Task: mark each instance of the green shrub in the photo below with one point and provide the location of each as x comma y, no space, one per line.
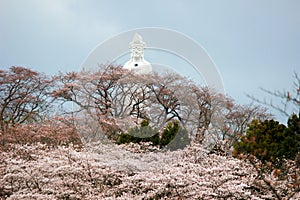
180,141
270,141
168,138
291,143
169,133
144,133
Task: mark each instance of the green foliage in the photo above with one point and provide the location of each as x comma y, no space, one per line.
291,144
270,141
168,138
145,133
144,123
181,140
169,133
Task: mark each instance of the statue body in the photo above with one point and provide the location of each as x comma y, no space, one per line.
137,61
138,65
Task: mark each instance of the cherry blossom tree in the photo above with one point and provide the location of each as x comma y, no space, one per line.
24,96
46,159
54,131
118,99
235,120
109,171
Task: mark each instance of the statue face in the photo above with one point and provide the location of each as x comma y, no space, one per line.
137,51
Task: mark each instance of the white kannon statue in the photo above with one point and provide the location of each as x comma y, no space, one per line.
137,61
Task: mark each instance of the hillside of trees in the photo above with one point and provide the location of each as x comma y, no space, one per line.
114,134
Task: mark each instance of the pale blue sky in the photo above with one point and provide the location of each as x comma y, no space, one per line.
253,43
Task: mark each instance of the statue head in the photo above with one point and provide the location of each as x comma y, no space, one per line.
137,47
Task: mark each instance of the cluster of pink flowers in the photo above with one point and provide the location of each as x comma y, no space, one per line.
109,171
54,131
